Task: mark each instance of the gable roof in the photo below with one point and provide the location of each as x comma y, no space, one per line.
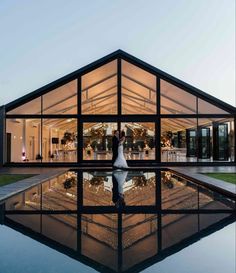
123,55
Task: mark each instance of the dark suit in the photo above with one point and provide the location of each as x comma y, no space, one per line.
115,191
115,144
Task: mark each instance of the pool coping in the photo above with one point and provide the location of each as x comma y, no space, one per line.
216,184
27,183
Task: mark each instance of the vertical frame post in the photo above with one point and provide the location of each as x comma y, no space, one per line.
119,99
79,123
158,119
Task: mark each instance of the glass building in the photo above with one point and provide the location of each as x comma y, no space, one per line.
72,120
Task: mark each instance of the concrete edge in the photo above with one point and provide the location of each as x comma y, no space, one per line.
220,185
12,189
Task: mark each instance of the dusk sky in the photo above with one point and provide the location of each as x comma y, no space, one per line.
41,41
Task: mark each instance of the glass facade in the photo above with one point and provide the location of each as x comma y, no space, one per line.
175,100
178,140
163,121
99,90
140,140
59,140
62,100
138,90
97,140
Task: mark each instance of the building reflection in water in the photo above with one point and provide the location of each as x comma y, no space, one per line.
164,213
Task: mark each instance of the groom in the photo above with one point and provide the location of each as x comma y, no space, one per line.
115,144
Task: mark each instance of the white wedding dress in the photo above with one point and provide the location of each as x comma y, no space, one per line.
120,177
120,161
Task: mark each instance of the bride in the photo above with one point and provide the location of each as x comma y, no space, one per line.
120,161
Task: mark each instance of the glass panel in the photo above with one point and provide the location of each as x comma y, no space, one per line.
140,140
97,140
138,90
32,107
99,90
23,140
175,100
205,107
204,143
178,140
62,100
213,145
59,140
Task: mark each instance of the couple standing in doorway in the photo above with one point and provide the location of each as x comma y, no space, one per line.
118,159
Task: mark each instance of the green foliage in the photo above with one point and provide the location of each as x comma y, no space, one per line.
11,178
228,177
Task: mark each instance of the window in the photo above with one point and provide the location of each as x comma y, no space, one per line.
32,107
62,100
178,140
59,140
23,140
99,90
97,140
205,107
138,90
175,100
140,140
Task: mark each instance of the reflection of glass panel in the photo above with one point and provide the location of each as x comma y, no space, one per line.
177,192
175,100
139,238
23,140
107,188
181,193
209,199
60,193
32,107
61,228
30,221
27,200
59,140
140,140
178,140
138,90
97,140
62,100
177,227
206,220
99,238
99,90
205,107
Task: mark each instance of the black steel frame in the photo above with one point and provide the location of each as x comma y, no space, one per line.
157,118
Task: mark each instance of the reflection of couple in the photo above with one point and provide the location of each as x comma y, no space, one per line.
118,159
118,181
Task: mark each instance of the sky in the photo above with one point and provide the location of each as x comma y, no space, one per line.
41,41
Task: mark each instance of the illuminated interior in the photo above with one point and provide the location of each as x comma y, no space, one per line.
164,120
